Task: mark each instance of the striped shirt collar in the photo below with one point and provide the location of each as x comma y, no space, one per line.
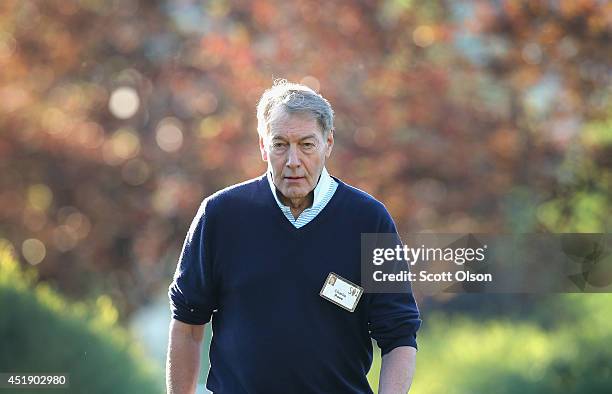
319,192
325,189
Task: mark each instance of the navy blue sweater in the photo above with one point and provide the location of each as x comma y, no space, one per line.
259,277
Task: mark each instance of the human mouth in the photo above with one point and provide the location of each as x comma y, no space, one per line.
293,178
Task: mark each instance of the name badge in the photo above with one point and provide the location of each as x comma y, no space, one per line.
341,292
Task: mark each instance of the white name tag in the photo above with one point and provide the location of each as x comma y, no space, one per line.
341,292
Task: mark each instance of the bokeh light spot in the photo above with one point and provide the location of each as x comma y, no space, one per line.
34,220
169,136
206,103
33,251
90,135
39,197
210,127
55,121
124,102
423,36
78,224
135,172
125,143
64,238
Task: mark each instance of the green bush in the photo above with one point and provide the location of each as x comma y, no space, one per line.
43,333
461,355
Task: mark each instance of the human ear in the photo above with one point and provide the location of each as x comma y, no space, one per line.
262,149
329,142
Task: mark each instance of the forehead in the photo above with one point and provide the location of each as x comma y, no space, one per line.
293,125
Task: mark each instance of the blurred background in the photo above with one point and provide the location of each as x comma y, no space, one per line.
118,117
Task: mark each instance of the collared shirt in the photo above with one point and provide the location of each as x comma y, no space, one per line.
323,192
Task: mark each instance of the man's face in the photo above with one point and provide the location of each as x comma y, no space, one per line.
295,151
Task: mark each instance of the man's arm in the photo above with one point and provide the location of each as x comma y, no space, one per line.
397,370
183,361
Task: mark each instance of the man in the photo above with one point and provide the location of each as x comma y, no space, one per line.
254,262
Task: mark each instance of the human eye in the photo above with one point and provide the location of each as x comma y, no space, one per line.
279,146
308,145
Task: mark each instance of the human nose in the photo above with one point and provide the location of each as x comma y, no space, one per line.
293,160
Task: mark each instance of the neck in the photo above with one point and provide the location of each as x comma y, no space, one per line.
297,205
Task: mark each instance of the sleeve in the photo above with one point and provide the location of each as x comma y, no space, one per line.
192,293
393,317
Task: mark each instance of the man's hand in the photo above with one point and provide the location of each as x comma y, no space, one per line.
397,370
183,361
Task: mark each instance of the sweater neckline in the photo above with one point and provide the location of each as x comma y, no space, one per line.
321,216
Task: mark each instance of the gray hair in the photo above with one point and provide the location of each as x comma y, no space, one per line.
293,98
